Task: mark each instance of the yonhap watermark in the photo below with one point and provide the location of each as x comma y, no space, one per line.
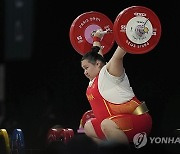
165,140
141,140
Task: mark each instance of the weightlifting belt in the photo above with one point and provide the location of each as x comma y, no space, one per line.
141,109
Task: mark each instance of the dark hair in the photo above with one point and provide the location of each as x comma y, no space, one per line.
92,56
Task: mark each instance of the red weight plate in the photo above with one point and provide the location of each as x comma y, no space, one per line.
84,25
67,134
126,17
54,134
71,132
87,116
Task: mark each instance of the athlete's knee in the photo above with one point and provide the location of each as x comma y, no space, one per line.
107,124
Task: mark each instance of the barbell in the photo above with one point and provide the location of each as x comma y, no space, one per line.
14,143
59,134
136,29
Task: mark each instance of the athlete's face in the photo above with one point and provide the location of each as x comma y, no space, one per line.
90,70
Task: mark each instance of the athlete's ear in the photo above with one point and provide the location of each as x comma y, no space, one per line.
98,63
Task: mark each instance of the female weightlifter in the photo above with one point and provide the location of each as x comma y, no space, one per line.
119,115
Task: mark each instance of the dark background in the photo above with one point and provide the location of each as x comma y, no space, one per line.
44,84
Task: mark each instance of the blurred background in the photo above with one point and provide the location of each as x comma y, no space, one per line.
41,80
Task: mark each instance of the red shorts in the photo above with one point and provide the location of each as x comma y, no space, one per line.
131,124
